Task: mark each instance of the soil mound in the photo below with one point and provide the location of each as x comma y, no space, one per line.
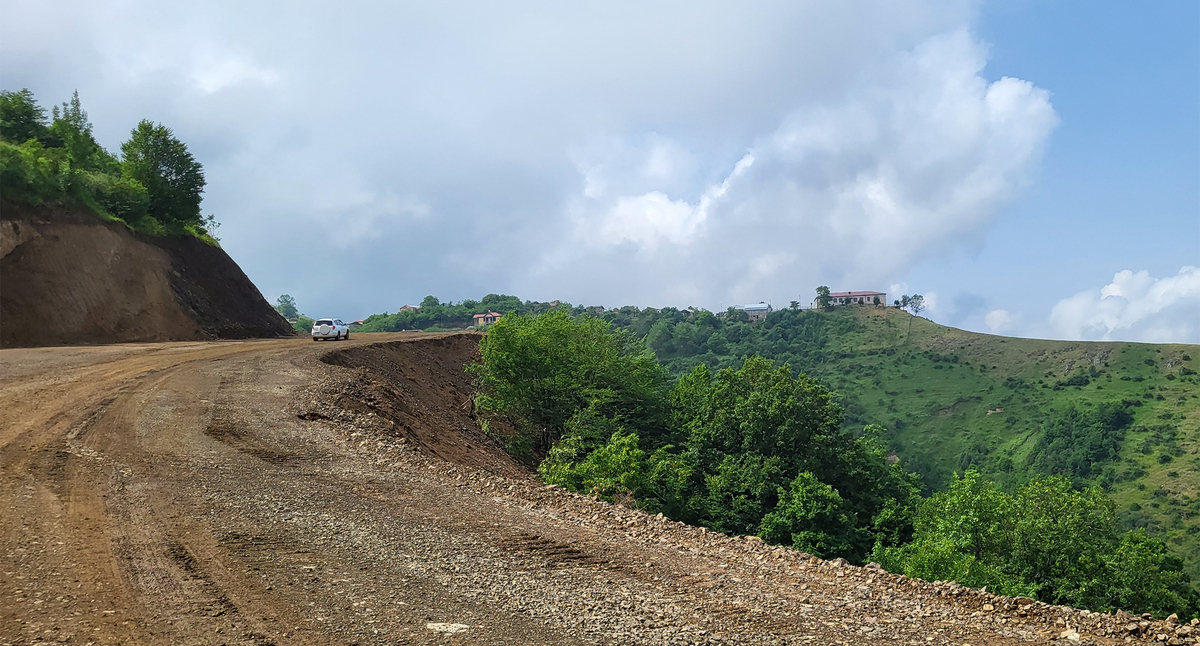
419,390
67,277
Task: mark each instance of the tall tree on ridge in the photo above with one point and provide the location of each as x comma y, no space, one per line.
172,177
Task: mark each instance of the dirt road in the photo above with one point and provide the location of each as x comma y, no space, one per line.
191,493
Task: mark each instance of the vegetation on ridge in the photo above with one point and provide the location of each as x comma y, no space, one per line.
154,187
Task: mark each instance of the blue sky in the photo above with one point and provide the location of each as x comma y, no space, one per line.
1033,168
1119,186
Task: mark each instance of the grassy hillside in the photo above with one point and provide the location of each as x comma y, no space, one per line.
951,399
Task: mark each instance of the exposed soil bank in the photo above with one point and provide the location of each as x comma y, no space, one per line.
422,392
66,277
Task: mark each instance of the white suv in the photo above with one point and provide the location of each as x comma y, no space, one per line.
330,329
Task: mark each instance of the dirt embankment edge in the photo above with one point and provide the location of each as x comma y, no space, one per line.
419,391
67,277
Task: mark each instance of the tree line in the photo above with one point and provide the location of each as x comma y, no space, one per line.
154,186
757,448
435,315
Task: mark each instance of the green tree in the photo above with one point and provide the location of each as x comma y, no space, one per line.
286,306
614,469
21,118
824,300
71,127
1077,442
738,491
1061,536
33,173
1140,574
811,516
619,470
539,372
1048,541
173,179
914,304
750,432
63,162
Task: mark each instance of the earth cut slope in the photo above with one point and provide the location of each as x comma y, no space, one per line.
67,277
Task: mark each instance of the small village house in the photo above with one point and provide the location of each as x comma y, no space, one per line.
856,298
486,318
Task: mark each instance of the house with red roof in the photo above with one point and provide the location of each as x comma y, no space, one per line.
487,318
856,298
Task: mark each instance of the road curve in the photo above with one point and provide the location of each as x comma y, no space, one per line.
171,494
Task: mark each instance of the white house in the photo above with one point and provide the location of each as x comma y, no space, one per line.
856,298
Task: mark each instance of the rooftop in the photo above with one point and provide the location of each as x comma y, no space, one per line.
855,294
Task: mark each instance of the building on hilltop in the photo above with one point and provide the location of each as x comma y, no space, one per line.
408,307
756,312
487,318
855,298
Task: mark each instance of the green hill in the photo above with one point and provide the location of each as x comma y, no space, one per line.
1125,416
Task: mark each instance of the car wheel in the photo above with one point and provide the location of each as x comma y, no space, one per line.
315,339
347,335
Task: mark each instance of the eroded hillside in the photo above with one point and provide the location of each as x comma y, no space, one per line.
67,277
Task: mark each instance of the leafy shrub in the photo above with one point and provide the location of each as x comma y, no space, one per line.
538,372
811,516
1047,541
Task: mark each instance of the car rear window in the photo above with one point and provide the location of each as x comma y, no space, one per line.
324,322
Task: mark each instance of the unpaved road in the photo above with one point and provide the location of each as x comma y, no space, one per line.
171,494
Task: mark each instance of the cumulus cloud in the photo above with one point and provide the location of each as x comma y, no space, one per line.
999,321
918,158
1134,307
645,220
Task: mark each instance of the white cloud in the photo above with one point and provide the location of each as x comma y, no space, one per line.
213,73
646,220
999,321
1134,307
917,157
931,303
